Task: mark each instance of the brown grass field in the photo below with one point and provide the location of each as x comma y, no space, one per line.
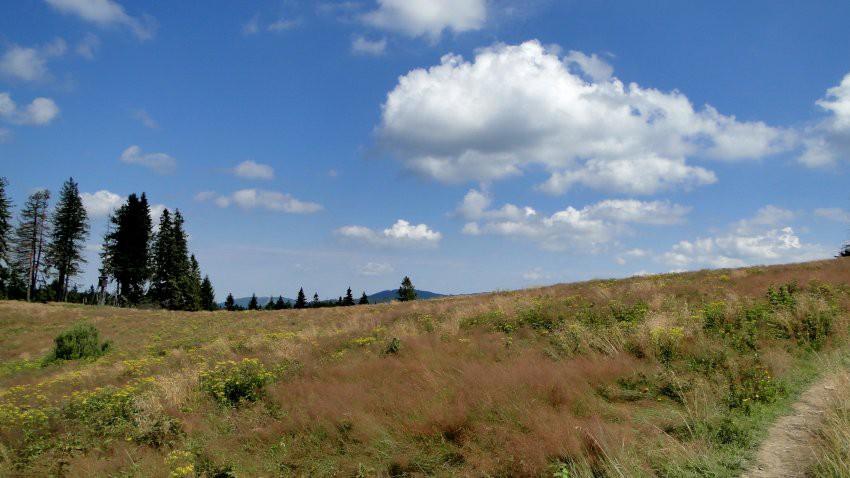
667,375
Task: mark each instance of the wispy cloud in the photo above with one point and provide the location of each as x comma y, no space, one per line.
159,162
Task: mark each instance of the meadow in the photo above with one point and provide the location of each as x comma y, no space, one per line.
675,375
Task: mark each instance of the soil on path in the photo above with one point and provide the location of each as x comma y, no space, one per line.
787,451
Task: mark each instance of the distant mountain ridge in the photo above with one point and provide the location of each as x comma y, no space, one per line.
388,295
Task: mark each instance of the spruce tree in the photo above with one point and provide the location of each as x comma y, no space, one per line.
270,304
192,295
29,241
349,299
301,300
187,281
69,232
164,285
208,295
230,303
252,304
406,292
280,304
364,299
5,238
316,302
127,247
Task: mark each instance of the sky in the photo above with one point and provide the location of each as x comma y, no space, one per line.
473,145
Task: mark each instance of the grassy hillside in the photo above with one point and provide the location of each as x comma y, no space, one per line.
671,375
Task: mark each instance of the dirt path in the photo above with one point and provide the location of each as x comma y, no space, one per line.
787,450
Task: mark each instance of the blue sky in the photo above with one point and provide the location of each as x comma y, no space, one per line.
472,144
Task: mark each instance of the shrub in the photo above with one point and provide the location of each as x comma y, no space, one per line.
753,384
80,341
714,315
667,342
783,296
393,347
630,314
231,383
815,324
540,316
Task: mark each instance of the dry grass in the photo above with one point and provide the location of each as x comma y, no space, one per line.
604,378
833,445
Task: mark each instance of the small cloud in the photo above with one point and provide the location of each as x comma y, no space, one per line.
833,214
87,47
158,162
333,173
402,233
101,203
107,13
40,112
282,25
145,119
535,274
376,269
363,46
5,135
252,26
253,170
30,63
260,199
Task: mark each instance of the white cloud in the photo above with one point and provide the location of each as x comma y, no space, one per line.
101,203
764,239
145,119
535,274
252,26
5,135
158,162
376,269
363,46
589,227
40,112
636,253
253,170
282,24
260,199
402,233
30,63
428,17
517,107
829,140
833,214
106,13
87,47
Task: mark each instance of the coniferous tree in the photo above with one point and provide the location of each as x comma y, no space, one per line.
364,299
5,233
30,236
187,281
164,281
208,295
349,299
127,246
69,232
253,304
230,303
192,295
300,300
270,304
280,304
406,292
316,302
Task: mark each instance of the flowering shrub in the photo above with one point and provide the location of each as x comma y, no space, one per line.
231,383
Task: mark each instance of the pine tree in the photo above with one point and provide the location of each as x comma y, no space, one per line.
301,300
349,299
364,299
270,304
230,303
30,235
316,302
187,281
127,248
164,286
208,295
406,292
192,295
5,233
69,232
252,304
280,304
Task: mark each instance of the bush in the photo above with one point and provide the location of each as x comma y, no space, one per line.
630,314
80,341
783,296
231,383
714,315
667,342
393,347
540,316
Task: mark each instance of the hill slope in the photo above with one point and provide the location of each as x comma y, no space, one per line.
376,298
672,375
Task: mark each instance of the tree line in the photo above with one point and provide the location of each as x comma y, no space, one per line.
406,292
42,253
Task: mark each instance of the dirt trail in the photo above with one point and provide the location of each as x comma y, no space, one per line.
787,452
